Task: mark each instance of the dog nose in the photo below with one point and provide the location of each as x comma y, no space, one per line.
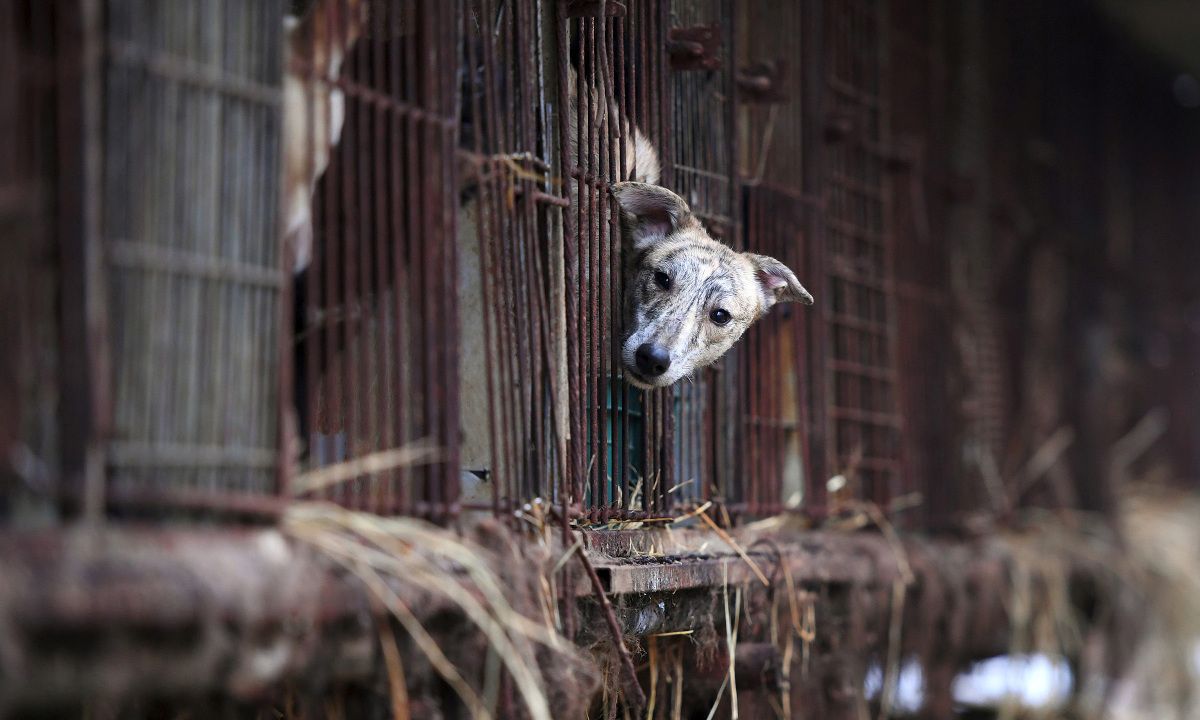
652,360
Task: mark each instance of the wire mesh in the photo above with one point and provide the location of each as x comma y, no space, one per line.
376,348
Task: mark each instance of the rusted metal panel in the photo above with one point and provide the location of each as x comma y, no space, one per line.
779,372
513,208
619,454
377,317
858,308
703,42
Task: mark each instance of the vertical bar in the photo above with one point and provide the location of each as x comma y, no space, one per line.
84,354
566,481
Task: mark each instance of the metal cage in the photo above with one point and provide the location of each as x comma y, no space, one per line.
620,458
143,357
776,389
702,47
513,356
377,347
860,371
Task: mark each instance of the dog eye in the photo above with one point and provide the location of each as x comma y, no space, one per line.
720,316
662,279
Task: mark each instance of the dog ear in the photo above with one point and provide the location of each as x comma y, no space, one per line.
778,283
650,212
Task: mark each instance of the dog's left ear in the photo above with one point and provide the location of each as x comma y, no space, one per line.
651,212
778,283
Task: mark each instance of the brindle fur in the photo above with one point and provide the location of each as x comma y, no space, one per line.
314,109
664,236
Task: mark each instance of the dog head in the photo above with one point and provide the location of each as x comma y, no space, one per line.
688,298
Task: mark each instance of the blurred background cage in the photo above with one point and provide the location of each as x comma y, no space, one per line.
145,346
860,374
376,348
924,307
188,202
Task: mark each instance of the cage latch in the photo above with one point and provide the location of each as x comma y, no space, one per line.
694,48
762,82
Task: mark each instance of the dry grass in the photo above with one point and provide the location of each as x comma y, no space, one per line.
387,552
1162,531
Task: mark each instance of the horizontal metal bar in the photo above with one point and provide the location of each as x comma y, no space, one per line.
775,423
154,454
857,323
840,272
188,72
221,501
853,368
866,417
708,174
854,230
145,256
384,101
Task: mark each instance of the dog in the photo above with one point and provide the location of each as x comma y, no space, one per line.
688,298
641,158
314,109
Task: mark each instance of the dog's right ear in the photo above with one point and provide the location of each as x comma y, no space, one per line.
650,212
